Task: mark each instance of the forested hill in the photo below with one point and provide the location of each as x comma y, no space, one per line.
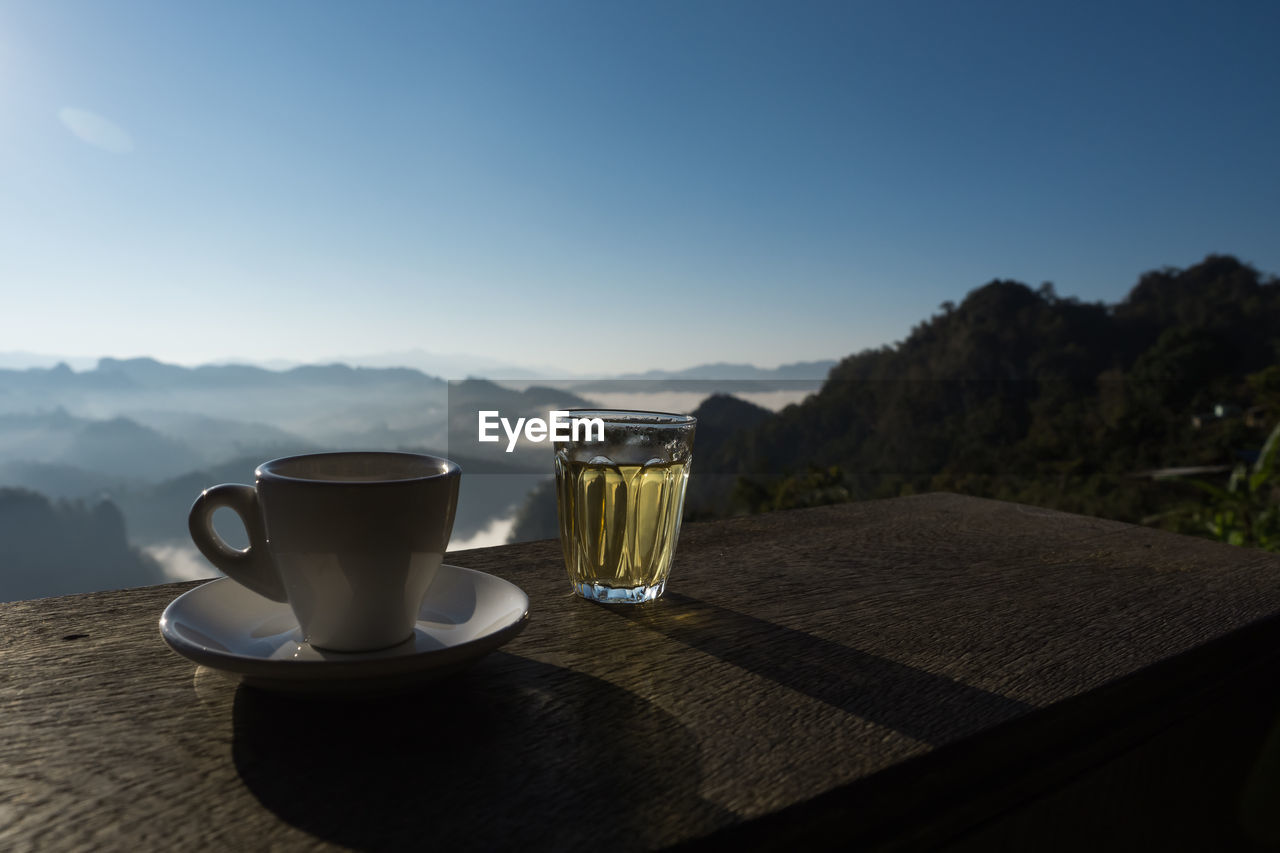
62,547
1020,394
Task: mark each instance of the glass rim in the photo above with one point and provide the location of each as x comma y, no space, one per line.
635,417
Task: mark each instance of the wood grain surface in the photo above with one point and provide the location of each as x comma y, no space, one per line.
891,673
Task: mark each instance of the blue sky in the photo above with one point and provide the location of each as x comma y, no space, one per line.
608,186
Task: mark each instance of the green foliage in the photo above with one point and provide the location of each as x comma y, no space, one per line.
815,487
1265,388
1247,511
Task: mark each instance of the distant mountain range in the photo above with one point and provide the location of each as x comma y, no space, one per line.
321,404
22,359
143,419
452,365
442,365
132,441
724,370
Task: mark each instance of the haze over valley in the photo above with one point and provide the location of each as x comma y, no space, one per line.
128,444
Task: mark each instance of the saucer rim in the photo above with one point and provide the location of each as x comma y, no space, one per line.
361,668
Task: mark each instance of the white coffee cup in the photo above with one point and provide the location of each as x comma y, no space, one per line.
350,540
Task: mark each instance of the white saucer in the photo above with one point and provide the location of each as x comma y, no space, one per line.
224,626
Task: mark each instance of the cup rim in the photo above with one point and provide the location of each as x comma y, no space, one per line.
269,470
638,417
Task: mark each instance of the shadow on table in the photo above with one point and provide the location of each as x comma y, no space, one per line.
931,708
510,753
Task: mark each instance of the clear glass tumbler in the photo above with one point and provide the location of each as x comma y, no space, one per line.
620,484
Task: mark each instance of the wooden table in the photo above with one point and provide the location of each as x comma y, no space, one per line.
933,671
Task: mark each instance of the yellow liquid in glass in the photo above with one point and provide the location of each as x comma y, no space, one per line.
619,523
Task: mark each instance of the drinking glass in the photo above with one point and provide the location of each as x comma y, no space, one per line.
620,493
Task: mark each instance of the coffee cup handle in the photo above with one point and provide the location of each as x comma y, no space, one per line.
251,566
